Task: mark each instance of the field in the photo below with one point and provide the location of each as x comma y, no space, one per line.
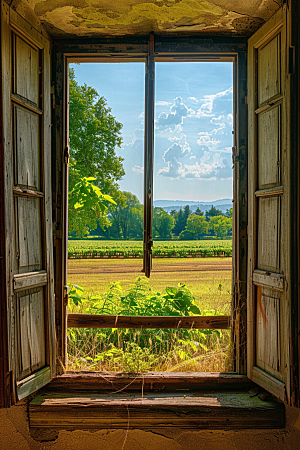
208,280
161,249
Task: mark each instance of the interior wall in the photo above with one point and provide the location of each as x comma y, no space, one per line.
15,435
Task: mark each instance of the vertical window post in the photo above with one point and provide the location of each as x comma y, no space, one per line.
148,158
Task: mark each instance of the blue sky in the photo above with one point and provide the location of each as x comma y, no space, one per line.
193,125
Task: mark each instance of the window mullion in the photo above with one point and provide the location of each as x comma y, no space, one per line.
148,158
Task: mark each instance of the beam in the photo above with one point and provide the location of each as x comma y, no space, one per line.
148,322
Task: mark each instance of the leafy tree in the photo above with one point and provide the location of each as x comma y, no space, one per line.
126,217
212,212
94,135
196,225
179,222
229,212
220,225
199,212
87,204
163,223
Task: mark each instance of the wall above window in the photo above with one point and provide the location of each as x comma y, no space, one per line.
173,17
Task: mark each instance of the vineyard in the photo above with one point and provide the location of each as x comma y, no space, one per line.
86,249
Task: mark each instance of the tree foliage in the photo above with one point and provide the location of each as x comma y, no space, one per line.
94,135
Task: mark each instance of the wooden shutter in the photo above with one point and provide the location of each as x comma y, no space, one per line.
269,214
28,206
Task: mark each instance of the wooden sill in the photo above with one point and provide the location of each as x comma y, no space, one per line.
114,404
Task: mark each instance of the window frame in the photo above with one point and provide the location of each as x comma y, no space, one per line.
133,49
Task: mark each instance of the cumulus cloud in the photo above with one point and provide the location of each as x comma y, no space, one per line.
178,111
206,109
210,166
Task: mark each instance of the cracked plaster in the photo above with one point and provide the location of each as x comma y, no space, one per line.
120,18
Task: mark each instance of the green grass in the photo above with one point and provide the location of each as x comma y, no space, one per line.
161,249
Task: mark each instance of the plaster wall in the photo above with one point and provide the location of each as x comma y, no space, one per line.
15,435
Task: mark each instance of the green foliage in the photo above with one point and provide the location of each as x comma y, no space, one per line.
163,223
220,225
75,294
141,350
196,225
86,203
94,134
212,212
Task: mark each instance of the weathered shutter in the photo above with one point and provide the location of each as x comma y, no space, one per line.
28,207
269,214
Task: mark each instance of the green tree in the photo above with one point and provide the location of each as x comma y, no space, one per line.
212,212
229,212
199,212
220,225
94,135
87,207
163,223
126,217
196,225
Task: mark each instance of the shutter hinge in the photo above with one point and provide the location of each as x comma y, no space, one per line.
67,154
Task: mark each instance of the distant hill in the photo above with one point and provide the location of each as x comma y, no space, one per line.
168,205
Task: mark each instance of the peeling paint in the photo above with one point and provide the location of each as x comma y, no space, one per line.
119,17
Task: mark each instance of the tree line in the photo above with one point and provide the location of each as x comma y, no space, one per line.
126,221
96,204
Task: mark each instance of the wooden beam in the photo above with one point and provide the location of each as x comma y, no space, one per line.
193,410
148,322
151,381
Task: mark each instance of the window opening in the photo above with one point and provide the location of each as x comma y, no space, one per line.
192,214
113,284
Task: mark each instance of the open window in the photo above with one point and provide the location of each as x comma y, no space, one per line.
30,314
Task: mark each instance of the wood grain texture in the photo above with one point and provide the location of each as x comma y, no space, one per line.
30,280
269,73
27,149
34,382
29,233
225,410
268,338
268,279
189,322
268,239
32,331
270,383
151,381
26,70
269,148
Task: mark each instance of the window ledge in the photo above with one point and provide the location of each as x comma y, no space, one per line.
120,409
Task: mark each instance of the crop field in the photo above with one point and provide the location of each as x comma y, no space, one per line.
86,249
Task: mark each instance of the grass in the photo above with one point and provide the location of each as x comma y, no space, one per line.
209,281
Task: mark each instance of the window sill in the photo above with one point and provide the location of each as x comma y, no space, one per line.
106,401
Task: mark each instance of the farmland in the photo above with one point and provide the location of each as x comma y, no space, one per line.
80,249
108,280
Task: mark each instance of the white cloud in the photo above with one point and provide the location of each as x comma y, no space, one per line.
193,99
210,166
177,112
162,103
138,169
206,109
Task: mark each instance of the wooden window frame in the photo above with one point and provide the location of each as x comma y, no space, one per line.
196,49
